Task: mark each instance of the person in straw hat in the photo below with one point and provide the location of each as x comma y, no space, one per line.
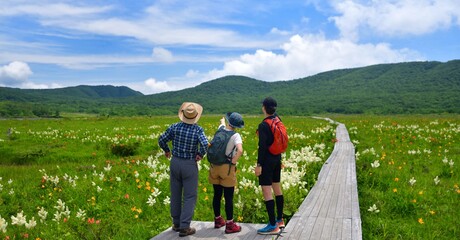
189,145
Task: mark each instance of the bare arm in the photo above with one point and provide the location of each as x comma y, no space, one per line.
239,152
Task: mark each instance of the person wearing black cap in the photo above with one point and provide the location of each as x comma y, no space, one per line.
223,177
269,171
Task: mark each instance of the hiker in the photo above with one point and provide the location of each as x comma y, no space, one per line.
269,171
222,173
189,145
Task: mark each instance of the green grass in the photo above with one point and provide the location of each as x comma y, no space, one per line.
106,178
421,148
75,151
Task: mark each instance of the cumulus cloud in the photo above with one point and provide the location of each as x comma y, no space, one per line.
156,86
162,55
395,18
15,74
311,54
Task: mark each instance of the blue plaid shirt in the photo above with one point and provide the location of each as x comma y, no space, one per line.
188,140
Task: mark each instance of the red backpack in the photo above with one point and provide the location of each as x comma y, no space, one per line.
280,137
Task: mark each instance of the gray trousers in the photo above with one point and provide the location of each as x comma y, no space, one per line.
184,190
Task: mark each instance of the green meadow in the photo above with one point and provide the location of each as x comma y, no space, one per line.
408,175
84,177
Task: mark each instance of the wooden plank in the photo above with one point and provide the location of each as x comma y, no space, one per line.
346,229
318,228
328,188
327,228
337,228
331,212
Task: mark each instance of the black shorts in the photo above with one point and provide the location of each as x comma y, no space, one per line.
271,172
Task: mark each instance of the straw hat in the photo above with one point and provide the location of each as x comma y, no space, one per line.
190,112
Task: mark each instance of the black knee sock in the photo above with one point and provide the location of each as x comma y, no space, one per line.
270,205
279,206
218,190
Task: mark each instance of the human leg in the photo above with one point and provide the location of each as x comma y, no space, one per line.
279,198
189,175
230,226
218,220
176,191
218,191
228,195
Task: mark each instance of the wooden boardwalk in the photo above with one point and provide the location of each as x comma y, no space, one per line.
330,211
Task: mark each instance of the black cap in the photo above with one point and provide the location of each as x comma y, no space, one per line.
269,102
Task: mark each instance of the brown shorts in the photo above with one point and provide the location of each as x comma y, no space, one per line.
219,175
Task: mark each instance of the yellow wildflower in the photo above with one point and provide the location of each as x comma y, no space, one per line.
420,193
432,212
396,179
395,189
420,220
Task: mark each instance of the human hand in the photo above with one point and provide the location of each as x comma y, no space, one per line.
168,155
198,158
258,170
222,121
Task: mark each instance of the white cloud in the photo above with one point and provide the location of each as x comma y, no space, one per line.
279,32
49,10
395,18
155,86
15,73
311,54
162,55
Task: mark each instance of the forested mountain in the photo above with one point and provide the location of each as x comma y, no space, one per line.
413,87
82,92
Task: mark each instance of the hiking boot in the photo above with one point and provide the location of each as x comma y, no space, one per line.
231,227
280,223
187,231
269,230
175,228
219,222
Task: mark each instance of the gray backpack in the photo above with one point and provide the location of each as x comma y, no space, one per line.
216,151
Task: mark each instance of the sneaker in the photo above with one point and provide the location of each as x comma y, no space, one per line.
231,227
269,229
175,228
280,223
219,222
187,231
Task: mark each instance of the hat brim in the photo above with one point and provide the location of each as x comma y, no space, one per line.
198,108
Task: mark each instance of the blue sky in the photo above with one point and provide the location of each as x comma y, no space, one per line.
167,45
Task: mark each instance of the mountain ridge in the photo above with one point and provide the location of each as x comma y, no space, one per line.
410,87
